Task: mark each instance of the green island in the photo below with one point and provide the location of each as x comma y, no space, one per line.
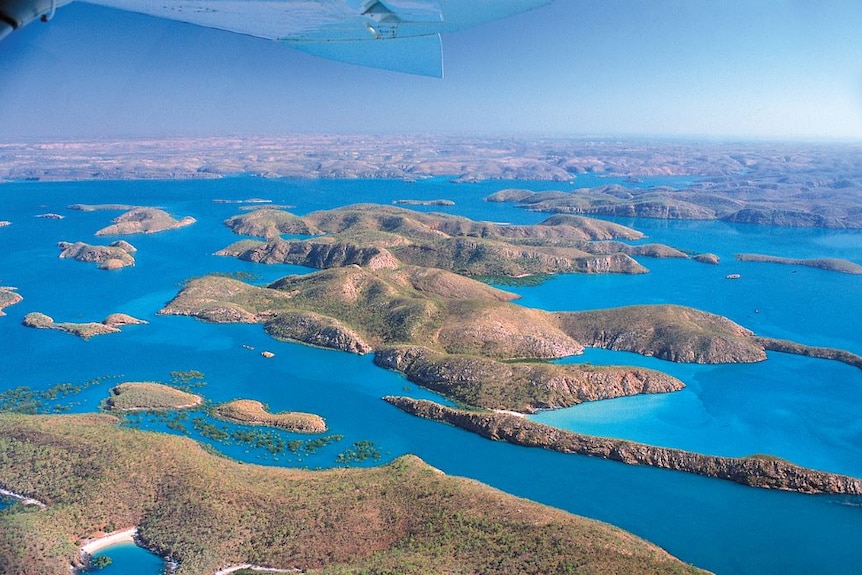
8,296
827,264
144,221
207,512
378,237
119,254
251,412
86,330
149,395
755,471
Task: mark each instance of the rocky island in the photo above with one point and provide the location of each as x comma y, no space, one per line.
251,412
119,254
828,264
8,296
385,237
206,512
149,396
110,324
144,221
755,471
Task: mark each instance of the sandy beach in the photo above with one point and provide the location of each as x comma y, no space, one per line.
124,536
233,568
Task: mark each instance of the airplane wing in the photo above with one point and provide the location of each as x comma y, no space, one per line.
400,35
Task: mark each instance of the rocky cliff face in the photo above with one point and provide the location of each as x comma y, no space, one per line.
315,329
117,255
765,472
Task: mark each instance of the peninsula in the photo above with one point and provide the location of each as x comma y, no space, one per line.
207,512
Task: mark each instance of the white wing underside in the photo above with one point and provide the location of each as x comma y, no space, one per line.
400,35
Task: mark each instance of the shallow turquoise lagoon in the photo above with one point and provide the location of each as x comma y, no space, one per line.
801,409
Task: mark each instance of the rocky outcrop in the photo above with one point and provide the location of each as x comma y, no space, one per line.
315,329
707,258
519,386
144,221
117,255
785,346
670,332
8,296
756,471
827,264
86,330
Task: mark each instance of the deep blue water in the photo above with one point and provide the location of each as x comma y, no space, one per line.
802,409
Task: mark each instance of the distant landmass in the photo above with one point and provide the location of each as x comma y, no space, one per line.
779,184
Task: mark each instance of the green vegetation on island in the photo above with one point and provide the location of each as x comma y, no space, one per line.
207,512
119,254
378,237
452,334
144,221
520,386
148,395
110,324
754,471
828,264
251,412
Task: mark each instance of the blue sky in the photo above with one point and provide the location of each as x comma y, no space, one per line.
786,69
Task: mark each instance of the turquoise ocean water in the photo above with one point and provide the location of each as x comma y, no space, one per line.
801,409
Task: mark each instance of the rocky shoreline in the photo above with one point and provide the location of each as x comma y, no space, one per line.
755,471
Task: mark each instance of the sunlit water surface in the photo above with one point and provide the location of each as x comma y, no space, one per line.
801,409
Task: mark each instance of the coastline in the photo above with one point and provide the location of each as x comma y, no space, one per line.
22,499
250,567
121,536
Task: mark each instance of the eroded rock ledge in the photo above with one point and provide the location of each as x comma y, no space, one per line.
755,471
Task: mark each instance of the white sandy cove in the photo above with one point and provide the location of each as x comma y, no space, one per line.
233,568
128,536
124,536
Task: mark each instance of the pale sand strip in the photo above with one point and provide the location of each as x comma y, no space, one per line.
124,536
22,499
233,568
